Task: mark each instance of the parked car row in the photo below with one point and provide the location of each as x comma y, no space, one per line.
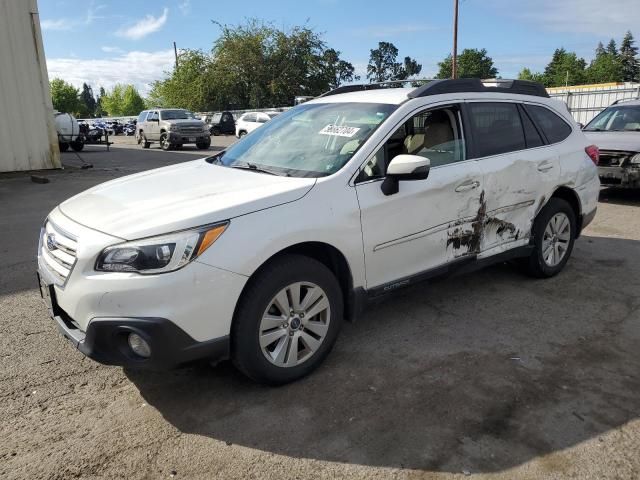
224,123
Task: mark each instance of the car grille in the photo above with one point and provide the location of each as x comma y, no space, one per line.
614,158
58,252
190,130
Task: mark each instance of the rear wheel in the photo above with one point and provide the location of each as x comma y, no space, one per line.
203,145
142,139
242,134
554,232
215,131
287,321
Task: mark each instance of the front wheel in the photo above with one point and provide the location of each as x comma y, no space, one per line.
164,142
203,145
554,232
287,321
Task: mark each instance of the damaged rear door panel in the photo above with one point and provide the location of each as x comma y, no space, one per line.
519,172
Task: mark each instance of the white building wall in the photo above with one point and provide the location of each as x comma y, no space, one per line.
28,139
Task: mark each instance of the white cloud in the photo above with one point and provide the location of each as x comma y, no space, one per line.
597,17
60,24
144,27
185,7
137,68
108,49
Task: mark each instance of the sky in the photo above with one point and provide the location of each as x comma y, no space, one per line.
131,41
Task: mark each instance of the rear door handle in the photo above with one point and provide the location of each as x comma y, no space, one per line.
545,166
465,187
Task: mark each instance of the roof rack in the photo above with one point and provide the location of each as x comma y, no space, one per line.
374,86
460,85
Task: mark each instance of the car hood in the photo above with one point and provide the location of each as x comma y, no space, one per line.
179,197
626,141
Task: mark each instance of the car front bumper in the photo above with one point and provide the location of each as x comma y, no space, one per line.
183,315
620,176
179,137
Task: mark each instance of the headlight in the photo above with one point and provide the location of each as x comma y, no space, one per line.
160,254
635,160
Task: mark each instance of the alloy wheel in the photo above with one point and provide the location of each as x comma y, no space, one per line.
295,324
556,239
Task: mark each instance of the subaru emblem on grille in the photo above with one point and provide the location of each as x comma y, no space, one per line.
51,241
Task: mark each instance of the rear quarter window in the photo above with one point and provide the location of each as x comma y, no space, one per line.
553,127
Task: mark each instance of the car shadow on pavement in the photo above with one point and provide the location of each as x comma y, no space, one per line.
481,373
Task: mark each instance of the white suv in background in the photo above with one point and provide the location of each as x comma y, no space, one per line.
249,121
258,253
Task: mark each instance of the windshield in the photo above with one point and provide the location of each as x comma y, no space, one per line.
176,115
311,140
616,119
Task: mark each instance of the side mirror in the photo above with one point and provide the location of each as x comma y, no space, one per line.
404,167
581,125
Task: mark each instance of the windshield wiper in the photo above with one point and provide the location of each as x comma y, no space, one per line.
254,168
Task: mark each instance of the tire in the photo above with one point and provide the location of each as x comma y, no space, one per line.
215,131
142,139
203,145
242,134
77,146
553,241
63,146
164,142
316,334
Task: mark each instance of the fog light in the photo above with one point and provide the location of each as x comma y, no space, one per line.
139,345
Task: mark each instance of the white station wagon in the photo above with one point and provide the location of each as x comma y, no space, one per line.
260,252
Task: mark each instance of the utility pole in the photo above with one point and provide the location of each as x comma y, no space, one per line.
175,51
454,57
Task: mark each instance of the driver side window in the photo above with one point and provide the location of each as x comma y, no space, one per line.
435,134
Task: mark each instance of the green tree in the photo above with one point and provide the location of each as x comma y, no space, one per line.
112,101
527,74
98,111
383,65
87,101
252,65
628,59
605,67
187,86
64,96
123,100
612,49
565,68
472,63
132,102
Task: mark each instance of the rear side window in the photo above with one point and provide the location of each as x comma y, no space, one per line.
553,127
531,134
250,117
496,128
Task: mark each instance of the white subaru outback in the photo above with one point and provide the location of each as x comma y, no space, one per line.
258,253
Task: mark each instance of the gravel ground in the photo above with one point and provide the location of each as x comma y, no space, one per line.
492,374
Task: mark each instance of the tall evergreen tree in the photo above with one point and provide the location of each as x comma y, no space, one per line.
628,59
565,68
88,102
612,48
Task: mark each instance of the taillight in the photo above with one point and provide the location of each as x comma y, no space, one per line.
594,153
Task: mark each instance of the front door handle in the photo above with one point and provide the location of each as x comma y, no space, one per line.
465,187
545,166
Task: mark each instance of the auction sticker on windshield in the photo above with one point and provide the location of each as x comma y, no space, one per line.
339,131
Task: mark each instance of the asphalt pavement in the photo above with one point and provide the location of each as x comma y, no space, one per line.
487,375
